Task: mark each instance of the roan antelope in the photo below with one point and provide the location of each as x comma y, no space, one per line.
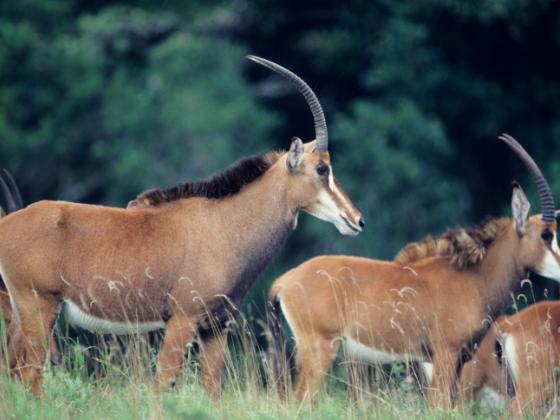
432,304
520,357
179,260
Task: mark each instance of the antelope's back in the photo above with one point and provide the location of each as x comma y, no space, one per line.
53,238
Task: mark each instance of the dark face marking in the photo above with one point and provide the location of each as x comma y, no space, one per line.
322,169
547,236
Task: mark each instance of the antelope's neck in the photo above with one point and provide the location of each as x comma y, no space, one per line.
257,222
501,274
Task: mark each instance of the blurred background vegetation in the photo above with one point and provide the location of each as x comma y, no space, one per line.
101,100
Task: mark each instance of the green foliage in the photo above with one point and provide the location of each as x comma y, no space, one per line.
406,152
129,99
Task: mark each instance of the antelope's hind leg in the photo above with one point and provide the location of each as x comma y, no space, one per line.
6,314
37,314
314,357
213,352
180,331
444,388
357,378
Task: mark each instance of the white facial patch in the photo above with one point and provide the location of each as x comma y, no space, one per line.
549,266
331,180
75,316
555,247
369,354
327,210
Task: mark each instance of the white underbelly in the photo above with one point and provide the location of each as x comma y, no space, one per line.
75,316
365,353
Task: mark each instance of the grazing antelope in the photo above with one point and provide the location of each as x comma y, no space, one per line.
431,304
527,344
179,259
482,378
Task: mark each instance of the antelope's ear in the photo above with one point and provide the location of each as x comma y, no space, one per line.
295,155
520,207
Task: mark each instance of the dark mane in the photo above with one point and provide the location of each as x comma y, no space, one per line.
224,184
464,247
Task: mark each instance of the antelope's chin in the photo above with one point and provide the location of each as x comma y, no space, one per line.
347,230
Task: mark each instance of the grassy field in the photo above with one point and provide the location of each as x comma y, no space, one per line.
70,396
116,383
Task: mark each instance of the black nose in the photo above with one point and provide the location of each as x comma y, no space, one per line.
361,222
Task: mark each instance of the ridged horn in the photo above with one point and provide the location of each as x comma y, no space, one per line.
321,133
15,190
11,193
545,193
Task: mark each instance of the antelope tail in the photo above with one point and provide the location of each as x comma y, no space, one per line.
278,361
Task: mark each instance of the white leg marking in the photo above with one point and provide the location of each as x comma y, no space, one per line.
510,354
287,317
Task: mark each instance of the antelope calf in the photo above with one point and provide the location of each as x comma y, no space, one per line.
524,349
432,304
482,378
181,258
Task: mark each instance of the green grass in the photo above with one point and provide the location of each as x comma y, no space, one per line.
68,396
120,388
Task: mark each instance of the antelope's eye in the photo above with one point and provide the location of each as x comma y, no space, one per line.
547,235
323,170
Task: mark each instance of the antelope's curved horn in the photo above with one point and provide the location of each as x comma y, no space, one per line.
15,190
11,204
321,133
545,193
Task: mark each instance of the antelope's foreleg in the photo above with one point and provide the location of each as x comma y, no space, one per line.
533,389
356,374
314,357
180,331
472,379
212,357
56,357
443,390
